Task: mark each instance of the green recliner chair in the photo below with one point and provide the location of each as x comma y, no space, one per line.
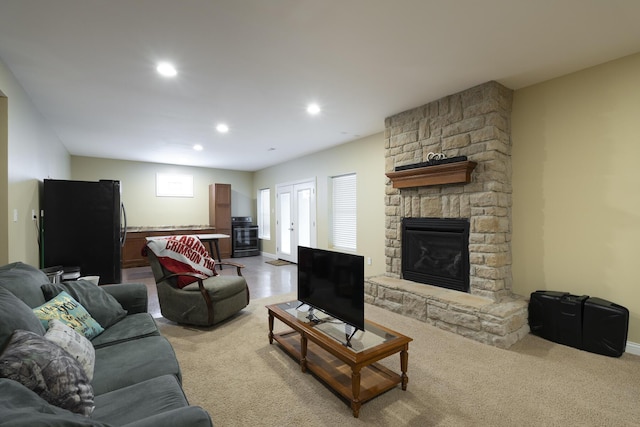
205,302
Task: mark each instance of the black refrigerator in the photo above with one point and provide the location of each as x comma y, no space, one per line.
83,225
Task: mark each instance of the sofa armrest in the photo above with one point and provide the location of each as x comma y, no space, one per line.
132,296
190,416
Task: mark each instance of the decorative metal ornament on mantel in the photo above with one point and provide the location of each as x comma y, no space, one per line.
431,156
433,159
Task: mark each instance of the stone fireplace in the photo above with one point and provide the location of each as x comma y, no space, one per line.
475,124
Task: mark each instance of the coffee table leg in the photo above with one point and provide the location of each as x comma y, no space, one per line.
303,353
270,327
404,362
355,390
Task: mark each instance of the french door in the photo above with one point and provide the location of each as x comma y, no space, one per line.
295,218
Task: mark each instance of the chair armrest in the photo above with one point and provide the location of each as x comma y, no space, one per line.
232,264
166,277
132,297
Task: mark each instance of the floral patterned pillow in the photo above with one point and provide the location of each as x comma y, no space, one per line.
48,370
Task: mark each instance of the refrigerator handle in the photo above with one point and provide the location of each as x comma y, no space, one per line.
123,233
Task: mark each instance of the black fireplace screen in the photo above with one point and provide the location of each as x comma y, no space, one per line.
435,251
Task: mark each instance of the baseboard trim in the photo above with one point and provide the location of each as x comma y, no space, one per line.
633,348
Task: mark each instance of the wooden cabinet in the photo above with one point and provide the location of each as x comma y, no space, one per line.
132,250
220,214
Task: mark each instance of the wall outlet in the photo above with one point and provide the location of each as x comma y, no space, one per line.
15,215
34,217
368,260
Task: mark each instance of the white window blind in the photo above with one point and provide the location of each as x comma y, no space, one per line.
264,213
344,212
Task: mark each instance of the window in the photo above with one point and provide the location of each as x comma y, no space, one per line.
344,212
264,214
174,185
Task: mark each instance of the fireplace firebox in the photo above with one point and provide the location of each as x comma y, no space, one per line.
435,251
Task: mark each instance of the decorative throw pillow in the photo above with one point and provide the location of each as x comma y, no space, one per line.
183,254
100,304
69,311
74,343
48,370
24,281
15,314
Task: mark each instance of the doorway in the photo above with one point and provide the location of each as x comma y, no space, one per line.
295,218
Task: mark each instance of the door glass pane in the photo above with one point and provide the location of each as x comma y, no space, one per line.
285,224
304,217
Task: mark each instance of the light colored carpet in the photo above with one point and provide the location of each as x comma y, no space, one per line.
232,372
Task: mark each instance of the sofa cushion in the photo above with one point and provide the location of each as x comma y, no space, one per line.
15,314
220,287
47,369
69,311
131,362
132,327
24,281
74,343
101,306
21,407
141,400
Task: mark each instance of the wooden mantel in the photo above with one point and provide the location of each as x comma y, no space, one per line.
447,173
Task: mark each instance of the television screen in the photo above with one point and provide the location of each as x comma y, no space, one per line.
332,282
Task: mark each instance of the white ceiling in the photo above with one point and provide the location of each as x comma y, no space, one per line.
89,66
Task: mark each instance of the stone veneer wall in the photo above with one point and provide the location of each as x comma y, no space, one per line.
474,123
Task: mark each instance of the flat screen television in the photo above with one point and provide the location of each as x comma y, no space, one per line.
332,282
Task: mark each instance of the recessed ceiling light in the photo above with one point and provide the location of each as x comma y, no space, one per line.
166,69
198,147
222,128
313,109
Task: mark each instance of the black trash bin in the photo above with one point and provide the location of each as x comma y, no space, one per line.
54,274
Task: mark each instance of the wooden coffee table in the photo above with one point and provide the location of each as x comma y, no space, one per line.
350,371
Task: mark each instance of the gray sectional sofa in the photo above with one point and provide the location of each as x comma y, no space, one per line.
135,380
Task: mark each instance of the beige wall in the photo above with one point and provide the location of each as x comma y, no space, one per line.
365,157
139,190
4,178
33,152
576,195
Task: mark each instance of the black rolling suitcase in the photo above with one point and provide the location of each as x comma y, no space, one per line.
590,324
557,316
604,327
